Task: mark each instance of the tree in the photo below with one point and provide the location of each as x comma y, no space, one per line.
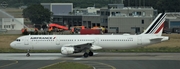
37,14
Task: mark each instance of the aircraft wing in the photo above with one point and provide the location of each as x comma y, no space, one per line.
79,44
85,45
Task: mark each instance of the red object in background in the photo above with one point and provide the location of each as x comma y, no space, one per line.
58,26
90,31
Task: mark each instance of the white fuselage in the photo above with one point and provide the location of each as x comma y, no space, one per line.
105,41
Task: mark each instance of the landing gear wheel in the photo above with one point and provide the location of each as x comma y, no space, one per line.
91,53
27,54
86,55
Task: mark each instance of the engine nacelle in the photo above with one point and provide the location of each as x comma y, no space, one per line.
67,50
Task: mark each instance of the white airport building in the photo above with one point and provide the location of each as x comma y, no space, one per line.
11,23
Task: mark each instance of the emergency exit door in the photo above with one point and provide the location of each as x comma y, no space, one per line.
96,40
26,41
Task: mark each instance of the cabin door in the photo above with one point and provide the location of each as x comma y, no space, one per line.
57,41
139,40
26,41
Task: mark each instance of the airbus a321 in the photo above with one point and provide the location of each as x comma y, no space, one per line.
70,44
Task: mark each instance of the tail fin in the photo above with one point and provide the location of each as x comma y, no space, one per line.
156,27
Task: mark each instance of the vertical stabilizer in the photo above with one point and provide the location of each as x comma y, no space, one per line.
156,27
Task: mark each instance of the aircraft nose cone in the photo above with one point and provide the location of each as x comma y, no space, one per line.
12,44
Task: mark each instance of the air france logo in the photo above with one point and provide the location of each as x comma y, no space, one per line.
42,37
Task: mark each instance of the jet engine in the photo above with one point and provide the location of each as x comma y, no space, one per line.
67,50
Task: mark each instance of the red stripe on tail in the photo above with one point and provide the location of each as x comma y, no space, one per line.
157,31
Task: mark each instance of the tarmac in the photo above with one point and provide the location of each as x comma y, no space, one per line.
100,60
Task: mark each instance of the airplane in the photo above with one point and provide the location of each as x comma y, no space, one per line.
70,44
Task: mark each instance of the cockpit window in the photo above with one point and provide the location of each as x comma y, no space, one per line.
17,39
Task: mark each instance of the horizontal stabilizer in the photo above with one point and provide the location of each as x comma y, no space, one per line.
156,38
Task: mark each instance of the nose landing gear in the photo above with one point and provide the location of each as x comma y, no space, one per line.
28,54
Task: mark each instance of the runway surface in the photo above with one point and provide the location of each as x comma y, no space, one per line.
99,60
97,56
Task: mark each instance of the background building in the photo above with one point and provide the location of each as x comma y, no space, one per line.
68,20
172,23
90,21
59,8
120,19
129,19
115,17
12,23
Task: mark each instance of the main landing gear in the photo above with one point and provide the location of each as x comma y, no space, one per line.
27,55
88,54
91,53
